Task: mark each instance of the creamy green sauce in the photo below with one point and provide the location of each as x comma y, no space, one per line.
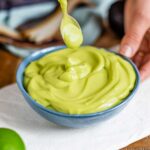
84,81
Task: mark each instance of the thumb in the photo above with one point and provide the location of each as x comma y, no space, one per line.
134,35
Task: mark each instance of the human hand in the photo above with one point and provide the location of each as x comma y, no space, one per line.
136,42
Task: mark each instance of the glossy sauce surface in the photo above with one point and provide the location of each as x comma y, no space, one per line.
84,81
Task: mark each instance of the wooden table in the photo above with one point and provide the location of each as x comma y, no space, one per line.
9,63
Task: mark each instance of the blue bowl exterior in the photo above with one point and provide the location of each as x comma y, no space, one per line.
75,121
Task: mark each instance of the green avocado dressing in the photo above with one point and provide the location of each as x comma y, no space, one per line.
84,81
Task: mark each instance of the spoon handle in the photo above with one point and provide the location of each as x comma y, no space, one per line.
63,4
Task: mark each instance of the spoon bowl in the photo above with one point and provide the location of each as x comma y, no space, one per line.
71,32
70,28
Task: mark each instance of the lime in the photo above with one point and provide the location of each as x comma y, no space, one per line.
10,140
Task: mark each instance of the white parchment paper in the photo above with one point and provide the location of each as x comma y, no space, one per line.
131,124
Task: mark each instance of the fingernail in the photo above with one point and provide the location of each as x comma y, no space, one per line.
126,50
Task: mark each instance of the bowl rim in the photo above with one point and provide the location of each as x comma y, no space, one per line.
37,55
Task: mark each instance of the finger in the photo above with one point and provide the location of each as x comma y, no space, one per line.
144,47
134,36
145,71
128,13
145,59
148,35
138,58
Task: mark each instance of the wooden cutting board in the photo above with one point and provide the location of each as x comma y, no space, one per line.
8,67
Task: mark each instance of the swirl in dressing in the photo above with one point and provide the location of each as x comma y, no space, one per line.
79,82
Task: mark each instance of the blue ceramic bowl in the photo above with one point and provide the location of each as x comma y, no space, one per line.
63,119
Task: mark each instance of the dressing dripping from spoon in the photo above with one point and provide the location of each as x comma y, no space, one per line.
70,28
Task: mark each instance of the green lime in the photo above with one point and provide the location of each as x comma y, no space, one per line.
10,140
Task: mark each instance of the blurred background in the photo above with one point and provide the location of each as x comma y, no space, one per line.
30,25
